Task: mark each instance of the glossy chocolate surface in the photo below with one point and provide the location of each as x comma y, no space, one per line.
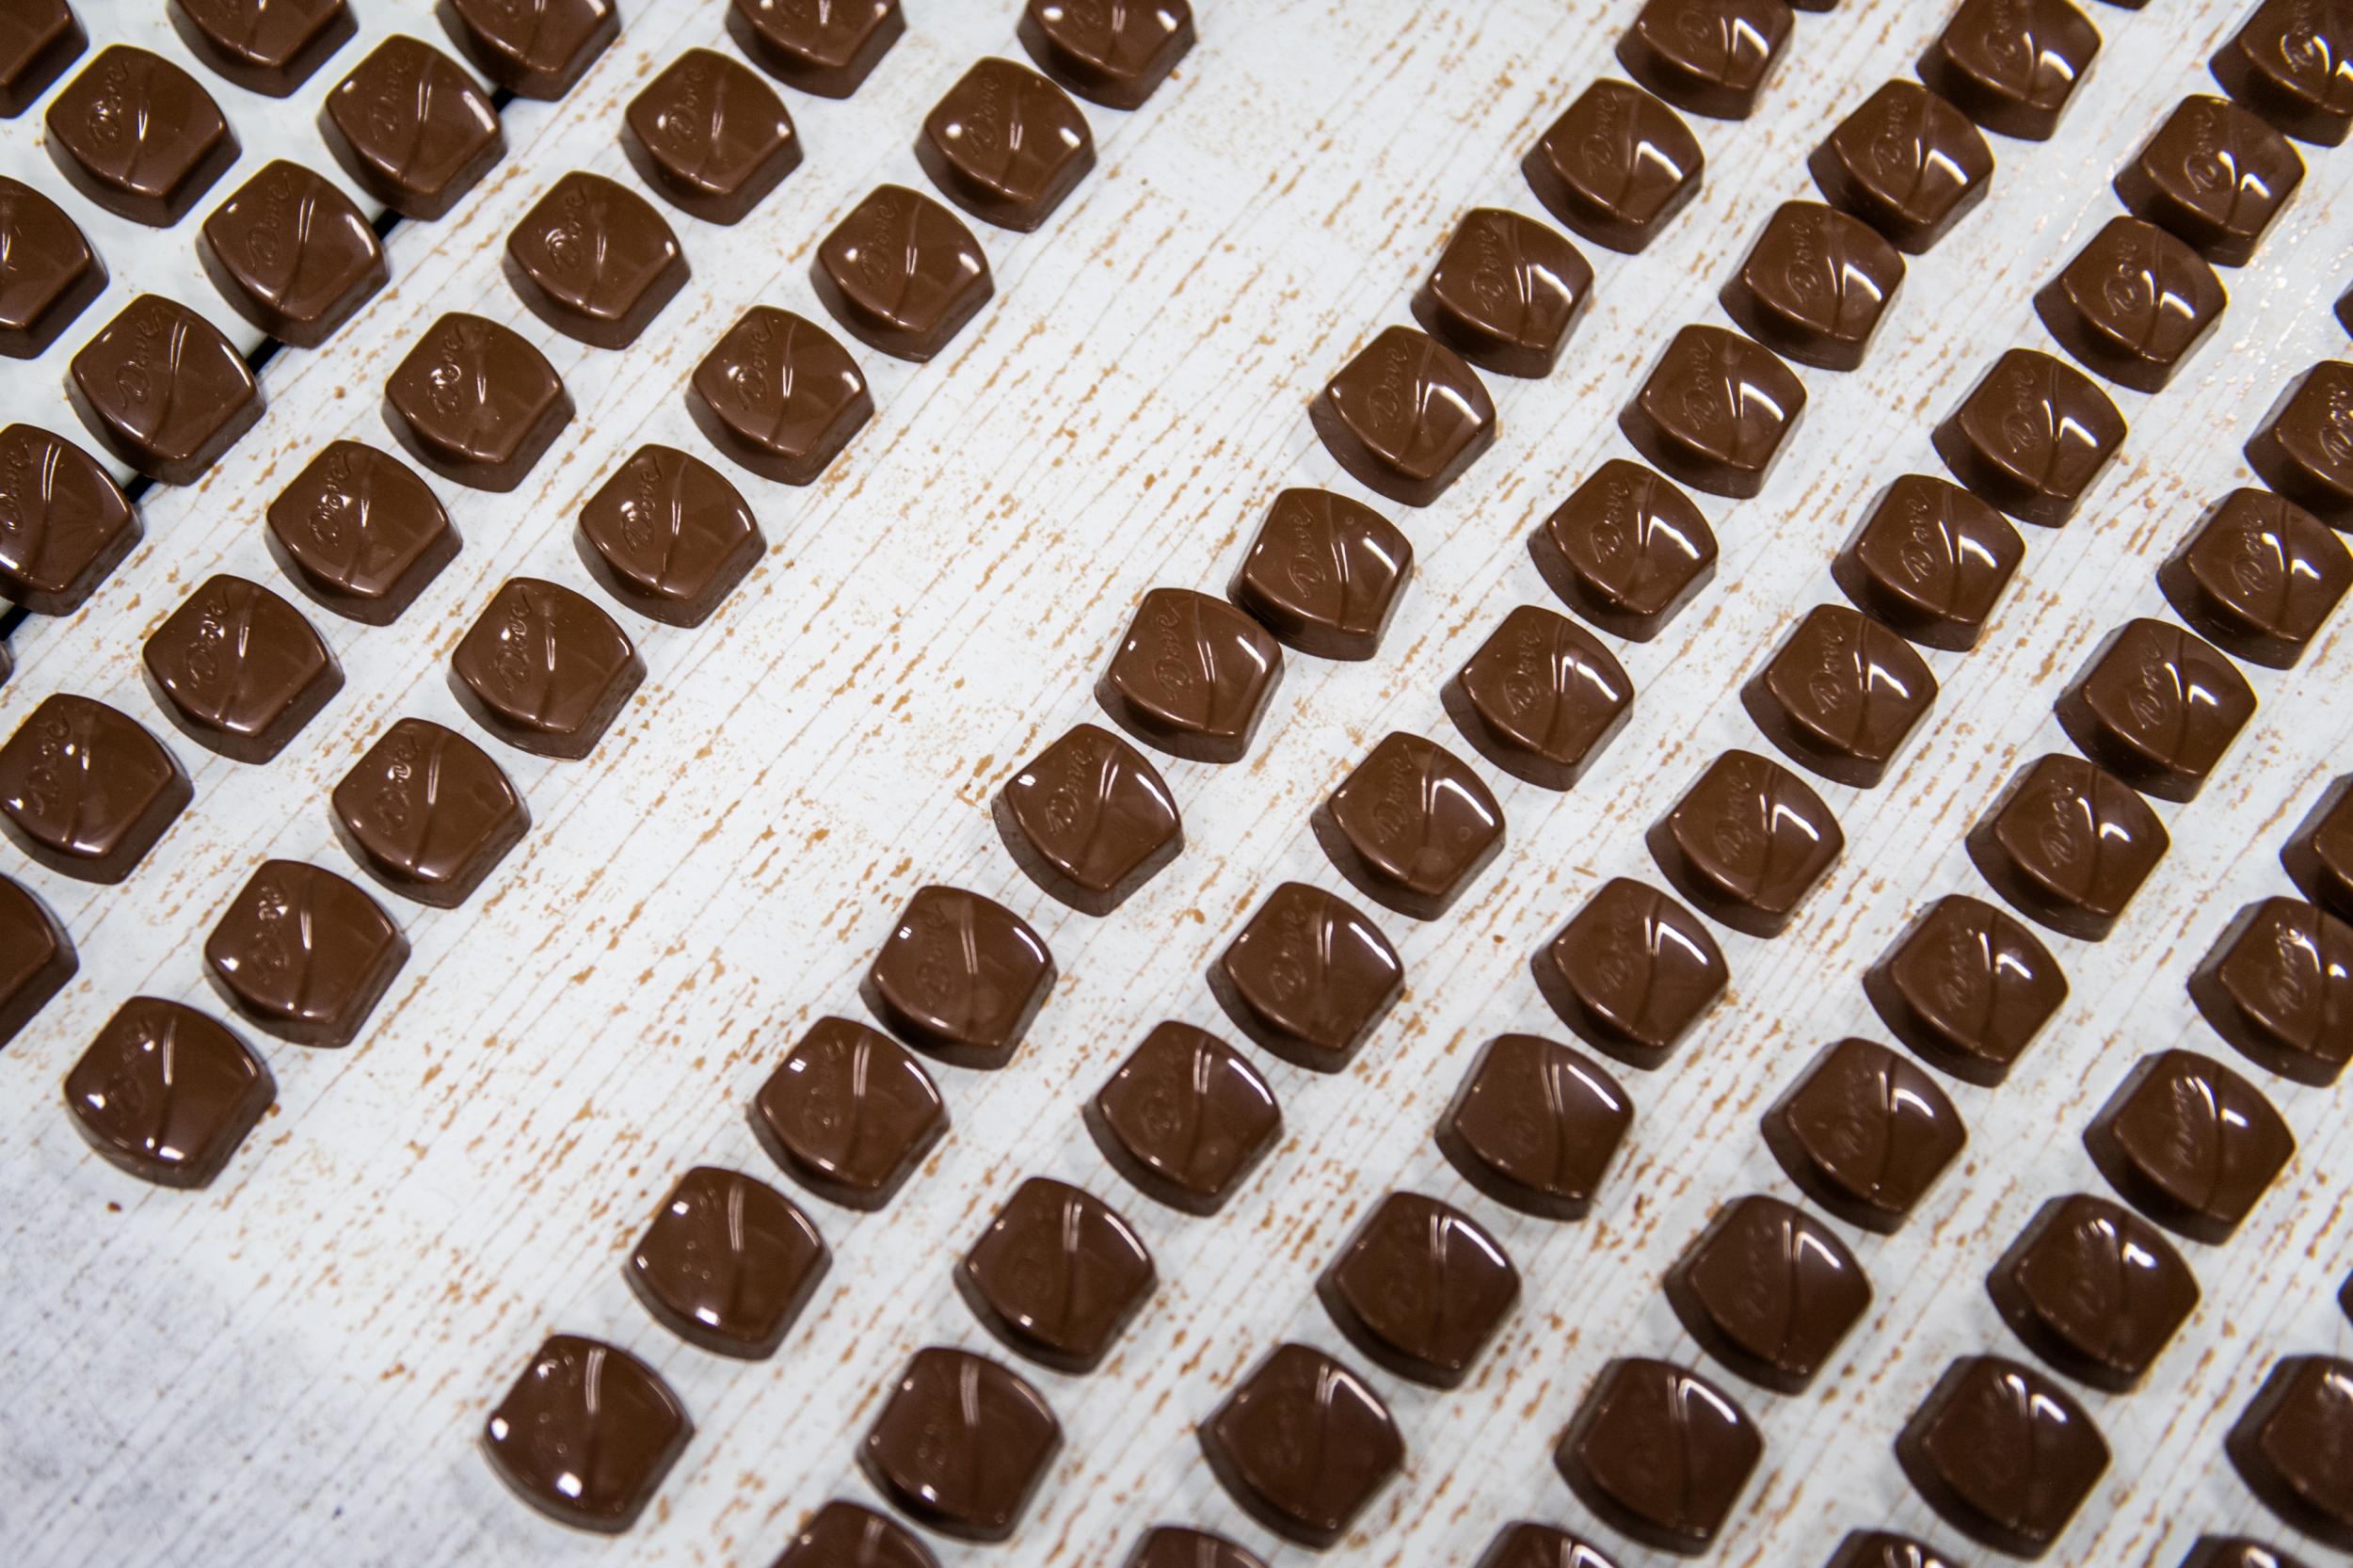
959,977
48,272
2278,984
2189,1143
1713,411
38,38
849,1114
1746,843
1616,166
1966,988
2292,62
37,957
2012,65
844,1535
1411,826
1523,1543
595,261
413,128
474,402
303,954
1006,145
586,1434
819,46
1541,699
778,395
140,136
237,669
1627,551
165,1094
544,668
709,136
534,50
2133,304
961,1444
2003,1454
727,1263
64,524
292,254
2213,175
2319,856
1815,285
2258,577
668,536
1505,293
1884,1549
2094,1290
1712,57
85,790
1907,163
1769,1292
163,390
1056,1275
1534,1126
2305,447
1631,972
1840,696
2156,706
1089,820
270,47
1420,1287
1185,1119
2031,437
2068,844
1325,574
1405,417
1929,561
1307,978
360,533
1108,52
1303,1445
1191,676
902,274
2214,1551
1865,1133
428,813
1659,1454
1177,1546
2292,1445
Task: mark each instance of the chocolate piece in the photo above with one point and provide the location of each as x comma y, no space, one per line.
2213,175
1710,57
843,1535
428,813
1840,696
2012,65
265,47
1405,417
1769,1292
1541,699
2068,845
1192,677
1056,1275
2292,62
1526,1544
1325,574
1307,978
1108,53
1303,1444
411,127
48,272
1185,1119
64,524
1420,1287
849,1114
711,137
85,790
1966,988
2305,447
292,255
238,670
1659,1454
1713,411
902,274
1865,1133
959,977
544,670
1534,1126
2258,578
2214,1551
1411,826
1905,162
360,533
1746,843
1089,820
1006,145
2030,436
2292,1445
1627,551
2156,706
728,1264
2133,304
1175,1547
1631,972
476,403
595,261
2278,984
820,46
668,536
1815,285
2002,1453
778,395
538,50
961,1444
1616,166
140,136
1884,1549
37,957
2320,855
163,390
1929,562
1505,293
303,954
2189,1143
586,1434
38,38
2094,1291
165,1094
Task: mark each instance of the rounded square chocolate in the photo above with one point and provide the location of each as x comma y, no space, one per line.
1534,1126
292,254
849,1115
1929,562
824,49
1907,163
2157,707
2304,449
2133,304
1712,57
1405,416
1179,1546
1840,696
777,394
1411,825
1659,1454
2003,1454
2292,62
303,954
1541,700
2189,1143
165,1094
595,261
1420,1287
38,38
163,390
2258,577
1505,293
1185,1119
544,670
1523,1543
844,1532
37,957
1307,978
2292,1445
1886,1549
428,813
140,136
2012,65
711,137
1325,574
2319,856
85,790
238,670
1631,972
1108,53
1769,1292
960,978
2031,437
51,275
586,1434
727,1263
1089,820
668,536
1056,1275
902,274
1006,145
1966,988
2068,844
413,128
1714,411
1303,1445
1627,551
535,51
360,533
961,1444
1616,166
1192,677
1815,285
271,48
474,402
2278,984
1865,1133
64,522
2213,175
1746,843
2094,1290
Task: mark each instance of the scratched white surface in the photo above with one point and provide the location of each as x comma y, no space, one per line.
292,1366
